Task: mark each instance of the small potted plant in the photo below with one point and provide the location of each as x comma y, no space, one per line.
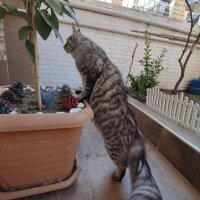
38,151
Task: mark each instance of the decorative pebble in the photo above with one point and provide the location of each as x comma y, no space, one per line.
39,113
2,90
43,87
60,112
74,110
5,89
13,112
30,88
80,105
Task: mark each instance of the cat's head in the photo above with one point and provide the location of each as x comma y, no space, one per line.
73,41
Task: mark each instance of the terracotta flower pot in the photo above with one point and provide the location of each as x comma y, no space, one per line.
38,149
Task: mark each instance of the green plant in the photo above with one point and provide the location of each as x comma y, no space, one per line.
40,17
152,68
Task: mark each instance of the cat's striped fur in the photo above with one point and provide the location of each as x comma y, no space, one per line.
104,88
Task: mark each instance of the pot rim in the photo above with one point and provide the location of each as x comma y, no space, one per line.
46,121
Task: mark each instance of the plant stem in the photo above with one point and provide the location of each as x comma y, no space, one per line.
36,61
133,55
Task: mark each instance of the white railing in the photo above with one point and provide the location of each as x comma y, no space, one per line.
175,107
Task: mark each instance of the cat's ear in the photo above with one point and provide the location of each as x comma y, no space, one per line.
76,32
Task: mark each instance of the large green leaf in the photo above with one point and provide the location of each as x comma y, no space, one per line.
55,5
2,12
68,5
55,20
19,13
43,28
12,9
38,3
31,50
24,32
51,20
68,11
10,6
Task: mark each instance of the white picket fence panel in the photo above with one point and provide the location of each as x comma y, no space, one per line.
176,108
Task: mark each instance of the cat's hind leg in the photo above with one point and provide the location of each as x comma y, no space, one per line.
120,160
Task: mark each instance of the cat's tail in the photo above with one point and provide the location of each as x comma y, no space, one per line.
144,186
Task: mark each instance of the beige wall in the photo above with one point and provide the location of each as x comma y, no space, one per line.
19,62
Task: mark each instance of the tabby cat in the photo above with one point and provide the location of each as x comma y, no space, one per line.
104,88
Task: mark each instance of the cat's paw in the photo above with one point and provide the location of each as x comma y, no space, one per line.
118,175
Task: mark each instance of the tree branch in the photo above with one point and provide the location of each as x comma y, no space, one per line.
191,28
186,48
191,51
133,55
